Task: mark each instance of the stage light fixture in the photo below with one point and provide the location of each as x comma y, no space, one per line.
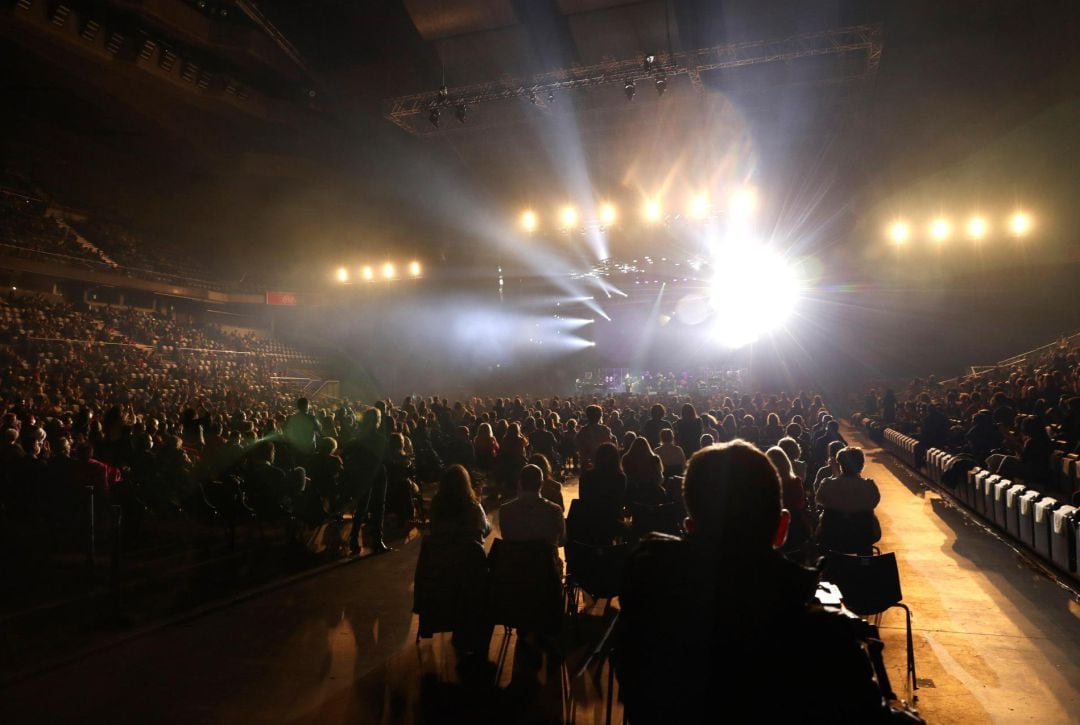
976,227
899,232
529,222
568,216
367,273
1020,224
661,85
461,112
607,213
940,229
342,274
443,95
388,271
650,62
699,206
434,117
629,89
652,210
414,269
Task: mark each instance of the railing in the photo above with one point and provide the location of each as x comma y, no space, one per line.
979,370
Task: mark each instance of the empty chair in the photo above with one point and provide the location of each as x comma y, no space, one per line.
870,585
1063,537
1044,509
1026,513
451,588
665,518
1012,509
595,570
998,503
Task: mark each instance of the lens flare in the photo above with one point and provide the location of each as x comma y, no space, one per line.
940,229
568,216
414,269
1020,224
899,232
342,274
742,265
652,211
699,206
368,273
977,227
388,271
607,213
743,204
529,222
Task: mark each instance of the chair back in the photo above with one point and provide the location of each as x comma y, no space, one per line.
598,570
592,522
665,518
526,586
868,584
451,583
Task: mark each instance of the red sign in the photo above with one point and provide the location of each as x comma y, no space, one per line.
281,298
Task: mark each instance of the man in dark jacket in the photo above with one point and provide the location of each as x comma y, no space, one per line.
364,479
720,618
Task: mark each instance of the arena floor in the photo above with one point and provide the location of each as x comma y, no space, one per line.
995,641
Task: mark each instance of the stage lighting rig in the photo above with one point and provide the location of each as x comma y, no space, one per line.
650,63
661,85
434,117
460,112
629,89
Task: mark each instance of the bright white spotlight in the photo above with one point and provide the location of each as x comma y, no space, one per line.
652,210
699,206
414,269
388,271
342,274
743,203
1020,224
735,323
368,273
607,214
940,229
899,231
568,216
529,222
976,227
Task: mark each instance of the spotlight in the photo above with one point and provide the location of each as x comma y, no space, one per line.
388,271
342,274
976,227
652,210
368,273
529,221
434,116
940,229
650,63
442,96
1020,224
607,213
899,231
661,85
743,203
699,206
568,216
460,112
414,269
629,89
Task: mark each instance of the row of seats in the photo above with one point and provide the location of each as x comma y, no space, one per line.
1040,522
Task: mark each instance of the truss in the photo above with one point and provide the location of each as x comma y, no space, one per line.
865,39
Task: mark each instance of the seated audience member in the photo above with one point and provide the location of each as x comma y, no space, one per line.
791,447
688,430
794,498
639,465
720,616
830,469
529,516
673,457
655,424
591,436
829,435
551,489
605,481
983,437
1033,463
848,523
455,509
459,449
485,447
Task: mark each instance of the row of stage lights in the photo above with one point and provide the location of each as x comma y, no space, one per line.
388,271
977,228
741,204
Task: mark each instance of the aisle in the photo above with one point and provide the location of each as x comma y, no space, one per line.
999,642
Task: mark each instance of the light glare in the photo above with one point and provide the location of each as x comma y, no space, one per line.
743,203
388,271
529,221
899,232
736,324
652,210
568,216
976,227
342,274
1020,224
368,273
940,229
607,213
414,269
699,206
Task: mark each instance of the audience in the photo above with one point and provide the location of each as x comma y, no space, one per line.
529,516
848,523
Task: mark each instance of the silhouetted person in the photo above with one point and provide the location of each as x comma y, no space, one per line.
364,479
529,516
848,523
720,616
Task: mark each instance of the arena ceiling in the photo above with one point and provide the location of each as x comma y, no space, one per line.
950,79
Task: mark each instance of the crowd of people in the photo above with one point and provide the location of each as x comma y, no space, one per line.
1009,418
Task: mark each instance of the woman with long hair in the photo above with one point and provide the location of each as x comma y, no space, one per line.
688,430
485,447
455,509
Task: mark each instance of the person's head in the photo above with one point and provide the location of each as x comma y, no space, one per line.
594,414
541,461
706,440
327,446
484,431
667,436
456,485
607,458
302,404
688,412
781,462
833,426
791,447
850,460
628,439
773,420
264,452
732,495
657,412
530,479
834,448
639,449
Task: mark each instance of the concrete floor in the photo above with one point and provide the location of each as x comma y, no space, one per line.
998,642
